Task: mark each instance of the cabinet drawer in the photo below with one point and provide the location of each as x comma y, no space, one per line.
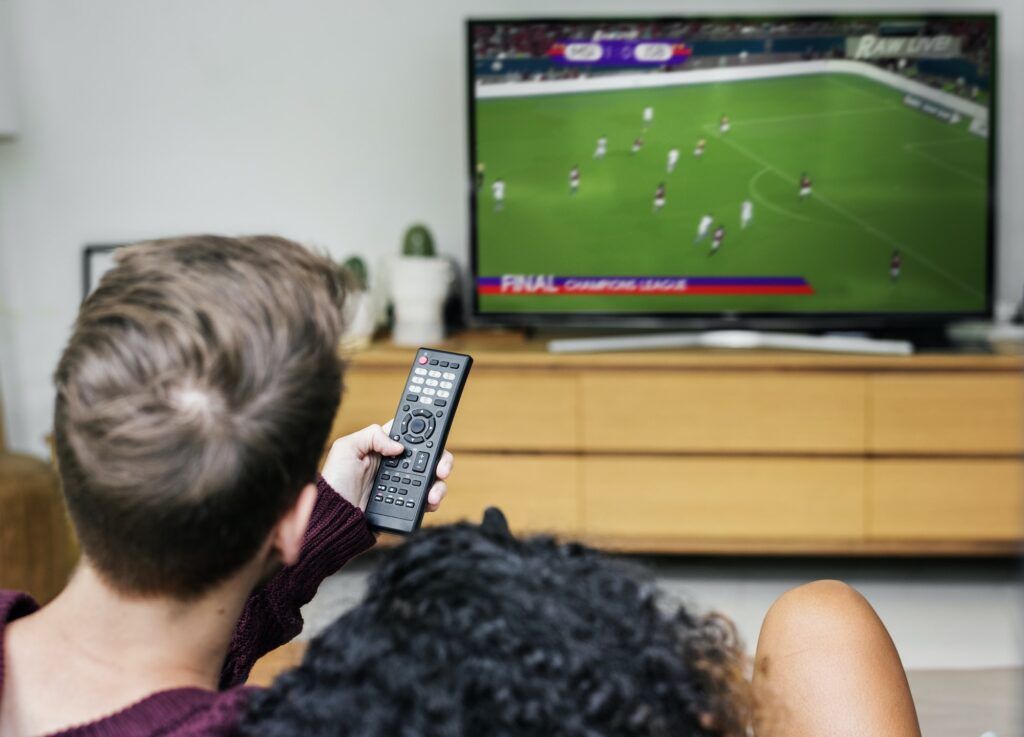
946,413
499,409
767,499
734,412
537,494
946,499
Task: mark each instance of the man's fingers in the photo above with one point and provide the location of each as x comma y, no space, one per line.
375,439
436,495
444,466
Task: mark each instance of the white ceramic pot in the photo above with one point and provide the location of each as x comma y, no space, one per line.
419,286
360,320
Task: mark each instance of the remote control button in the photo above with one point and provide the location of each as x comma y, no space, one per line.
430,443
407,453
391,463
433,362
414,439
422,360
420,372
453,364
378,497
381,487
444,363
403,492
389,500
434,374
421,413
432,382
392,490
384,477
439,413
417,380
396,437
410,503
446,385
421,461
417,482
430,392
405,465
399,503
405,407
443,393
448,376
415,389
405,425
417,426
439,403
426,400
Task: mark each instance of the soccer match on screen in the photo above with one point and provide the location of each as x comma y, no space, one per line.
760,166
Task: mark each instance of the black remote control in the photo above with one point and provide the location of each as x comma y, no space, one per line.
429,400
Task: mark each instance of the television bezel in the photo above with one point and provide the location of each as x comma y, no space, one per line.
879,322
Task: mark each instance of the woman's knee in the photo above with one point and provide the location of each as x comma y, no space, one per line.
826,609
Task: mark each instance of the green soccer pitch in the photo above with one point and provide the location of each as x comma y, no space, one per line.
885,177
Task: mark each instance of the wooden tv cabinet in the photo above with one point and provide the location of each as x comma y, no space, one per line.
729,452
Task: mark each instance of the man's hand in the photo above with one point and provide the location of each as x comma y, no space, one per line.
353,461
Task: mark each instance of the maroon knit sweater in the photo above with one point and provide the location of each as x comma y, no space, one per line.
337,533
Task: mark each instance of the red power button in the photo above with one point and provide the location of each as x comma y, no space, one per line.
423,359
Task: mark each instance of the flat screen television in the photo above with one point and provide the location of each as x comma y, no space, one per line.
781,171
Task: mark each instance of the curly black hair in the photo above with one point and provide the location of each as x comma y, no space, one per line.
467,631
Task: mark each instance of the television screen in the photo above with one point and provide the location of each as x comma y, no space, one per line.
761,167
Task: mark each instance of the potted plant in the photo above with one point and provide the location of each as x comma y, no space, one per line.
359,316
419,285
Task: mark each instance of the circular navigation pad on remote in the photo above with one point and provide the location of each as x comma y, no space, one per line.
417,426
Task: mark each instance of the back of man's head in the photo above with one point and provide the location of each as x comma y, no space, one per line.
468,631
193,401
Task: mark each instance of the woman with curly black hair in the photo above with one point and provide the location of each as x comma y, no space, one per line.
466,631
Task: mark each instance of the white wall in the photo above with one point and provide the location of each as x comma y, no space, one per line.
335,122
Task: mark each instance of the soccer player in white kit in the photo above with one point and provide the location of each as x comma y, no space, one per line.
574,179
704,227
723,124
673,157
746,213
648,117
637,145
699,150
498,190
602,147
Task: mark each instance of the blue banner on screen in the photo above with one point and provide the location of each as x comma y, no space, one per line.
541,284
619,53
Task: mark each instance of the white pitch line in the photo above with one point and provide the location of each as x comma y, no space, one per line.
855,218
912,148
765,203
816,116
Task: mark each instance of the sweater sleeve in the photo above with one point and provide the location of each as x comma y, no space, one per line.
337,533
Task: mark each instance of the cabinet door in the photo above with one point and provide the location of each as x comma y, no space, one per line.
536,493
500,410
748,411
967,413
947,499
662,499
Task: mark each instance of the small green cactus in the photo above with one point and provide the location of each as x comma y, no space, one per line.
418,242
356,268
